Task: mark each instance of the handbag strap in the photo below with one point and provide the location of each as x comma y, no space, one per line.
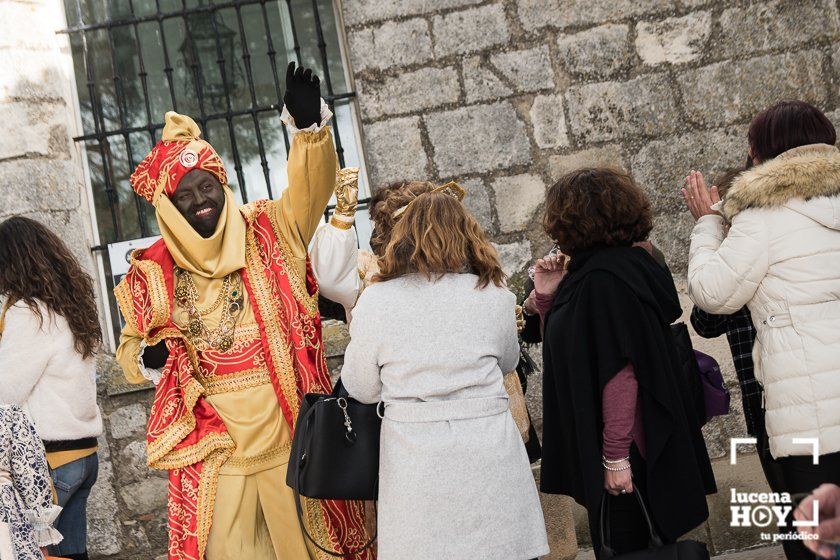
299,507
606,551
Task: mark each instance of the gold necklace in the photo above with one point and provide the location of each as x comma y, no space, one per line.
230,298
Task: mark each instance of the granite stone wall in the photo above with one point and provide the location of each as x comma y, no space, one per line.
506,95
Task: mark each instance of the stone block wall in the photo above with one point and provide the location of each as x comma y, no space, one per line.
506,95
41,172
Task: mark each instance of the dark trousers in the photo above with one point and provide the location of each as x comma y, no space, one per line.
801,476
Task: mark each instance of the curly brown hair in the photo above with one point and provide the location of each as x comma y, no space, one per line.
436,236
384,203
596,207
36,266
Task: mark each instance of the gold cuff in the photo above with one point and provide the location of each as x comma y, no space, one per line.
340,224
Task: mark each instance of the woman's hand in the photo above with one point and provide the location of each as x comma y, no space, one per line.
530,305
548,272
616,481
698,198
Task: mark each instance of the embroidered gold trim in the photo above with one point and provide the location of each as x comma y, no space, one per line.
247,461
125,301
247,333
157,292
298,284
277,344
229,383
191,455
318,527
207,486
340,224
158,449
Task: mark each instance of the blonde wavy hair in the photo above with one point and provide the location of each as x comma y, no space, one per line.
436,236
385,203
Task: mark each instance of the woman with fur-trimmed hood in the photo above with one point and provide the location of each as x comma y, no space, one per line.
781,258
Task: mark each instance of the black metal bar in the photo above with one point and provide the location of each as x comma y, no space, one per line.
246,58
220,60
110,192
295,42
272,59
322,47
182,13
144,83
167,65
195,66
121,110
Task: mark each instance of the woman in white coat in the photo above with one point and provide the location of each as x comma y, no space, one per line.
430,338
781,258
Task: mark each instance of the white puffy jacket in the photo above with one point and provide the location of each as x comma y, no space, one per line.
781,258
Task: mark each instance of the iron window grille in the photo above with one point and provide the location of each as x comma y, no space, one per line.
221,62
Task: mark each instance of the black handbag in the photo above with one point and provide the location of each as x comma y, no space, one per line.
335,453
682,550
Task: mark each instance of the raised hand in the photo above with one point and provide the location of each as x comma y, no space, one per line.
303,96
548,273
698,198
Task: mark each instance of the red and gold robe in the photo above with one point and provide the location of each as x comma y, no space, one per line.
185,434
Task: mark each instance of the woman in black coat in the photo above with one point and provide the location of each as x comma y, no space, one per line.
609,328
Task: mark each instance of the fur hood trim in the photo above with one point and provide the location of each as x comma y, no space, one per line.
805,172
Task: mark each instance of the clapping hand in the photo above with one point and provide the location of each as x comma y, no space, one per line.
303,96
548,273
698,198
827,497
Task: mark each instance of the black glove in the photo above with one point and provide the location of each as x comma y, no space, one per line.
303,96
155,357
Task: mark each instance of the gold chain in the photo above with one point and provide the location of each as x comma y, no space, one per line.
231,298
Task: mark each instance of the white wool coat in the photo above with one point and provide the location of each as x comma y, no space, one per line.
455,482
781,258
42,372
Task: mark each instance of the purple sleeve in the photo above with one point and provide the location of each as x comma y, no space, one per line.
543,303
619,413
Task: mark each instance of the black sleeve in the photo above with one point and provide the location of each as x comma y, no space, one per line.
532,333
708,325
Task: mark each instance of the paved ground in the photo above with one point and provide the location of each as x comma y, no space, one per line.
765,553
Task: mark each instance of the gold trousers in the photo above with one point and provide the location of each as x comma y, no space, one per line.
254,518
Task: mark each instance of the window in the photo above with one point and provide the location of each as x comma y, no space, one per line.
223,63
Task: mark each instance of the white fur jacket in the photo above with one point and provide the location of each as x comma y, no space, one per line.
44,374
781,258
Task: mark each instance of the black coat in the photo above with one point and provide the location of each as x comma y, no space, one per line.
616,305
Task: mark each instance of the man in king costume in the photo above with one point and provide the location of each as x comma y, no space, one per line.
222,315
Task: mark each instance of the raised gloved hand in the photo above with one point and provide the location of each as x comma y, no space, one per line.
303,96
347,192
